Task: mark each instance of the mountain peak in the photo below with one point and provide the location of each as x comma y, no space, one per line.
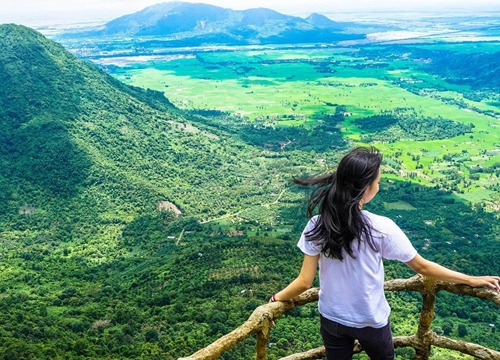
46,92
28,57
321,21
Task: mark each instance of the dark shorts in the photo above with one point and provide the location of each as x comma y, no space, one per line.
339,341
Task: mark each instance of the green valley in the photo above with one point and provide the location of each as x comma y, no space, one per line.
304,90
147,206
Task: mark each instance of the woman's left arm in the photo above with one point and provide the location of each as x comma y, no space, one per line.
302,282
429,268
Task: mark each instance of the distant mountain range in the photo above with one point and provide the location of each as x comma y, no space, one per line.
197,24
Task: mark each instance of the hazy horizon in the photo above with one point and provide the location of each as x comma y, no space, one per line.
50,12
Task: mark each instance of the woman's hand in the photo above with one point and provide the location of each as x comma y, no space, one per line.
301,283
493,282
271,300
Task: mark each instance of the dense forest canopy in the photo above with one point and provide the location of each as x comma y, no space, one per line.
94,267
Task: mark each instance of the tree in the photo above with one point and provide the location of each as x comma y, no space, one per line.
447,327
151,335
282,344
462,330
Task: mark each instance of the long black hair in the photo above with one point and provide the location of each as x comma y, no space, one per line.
337,197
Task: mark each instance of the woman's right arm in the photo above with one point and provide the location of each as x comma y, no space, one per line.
302,282
431,269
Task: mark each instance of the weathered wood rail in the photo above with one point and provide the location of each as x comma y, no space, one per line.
260,321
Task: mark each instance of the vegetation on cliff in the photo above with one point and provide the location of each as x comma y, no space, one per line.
94,267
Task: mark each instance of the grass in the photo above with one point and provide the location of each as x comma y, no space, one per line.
399,205
267,85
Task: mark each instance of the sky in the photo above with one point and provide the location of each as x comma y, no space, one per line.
28,11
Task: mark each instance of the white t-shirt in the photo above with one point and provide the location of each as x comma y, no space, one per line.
352,291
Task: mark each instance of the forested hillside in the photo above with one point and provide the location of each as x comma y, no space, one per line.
72,134
94,267
87,165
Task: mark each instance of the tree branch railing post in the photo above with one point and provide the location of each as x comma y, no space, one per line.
260,321
262,339
424,333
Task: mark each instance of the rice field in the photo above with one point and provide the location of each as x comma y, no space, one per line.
294,87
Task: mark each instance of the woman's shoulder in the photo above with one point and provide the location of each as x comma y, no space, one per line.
384,225
315,218
378,220
312,222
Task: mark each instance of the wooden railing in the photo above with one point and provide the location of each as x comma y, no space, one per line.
260,323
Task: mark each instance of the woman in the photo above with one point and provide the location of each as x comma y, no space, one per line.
349,243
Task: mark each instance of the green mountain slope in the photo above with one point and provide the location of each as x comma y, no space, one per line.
45,96
69,131
87,254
